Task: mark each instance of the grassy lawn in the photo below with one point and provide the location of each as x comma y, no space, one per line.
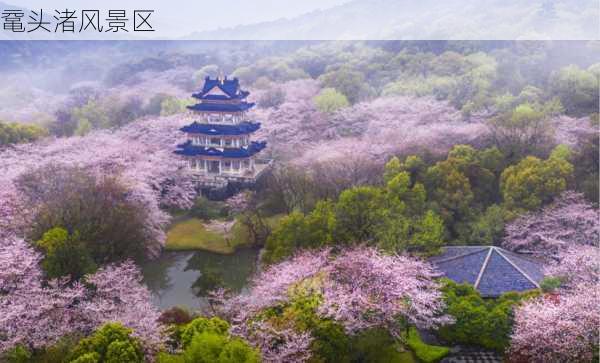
192,234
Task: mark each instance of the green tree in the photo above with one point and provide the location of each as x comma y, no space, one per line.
533,182
111,343
406,224
577,89
13,133
288,235
214,348
521,131
321,223
474,165
201,325
299,231
347,81
329,100
207,341
586,161
392,168
91,115
84,126
173,105
358,213
429,233
451,196
65,255
488,228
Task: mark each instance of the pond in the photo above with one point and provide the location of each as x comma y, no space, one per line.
184,278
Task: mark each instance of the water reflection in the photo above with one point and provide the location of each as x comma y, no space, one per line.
183,278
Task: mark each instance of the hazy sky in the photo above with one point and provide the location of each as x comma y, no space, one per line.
209,14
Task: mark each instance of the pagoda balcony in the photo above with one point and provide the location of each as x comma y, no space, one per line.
224,176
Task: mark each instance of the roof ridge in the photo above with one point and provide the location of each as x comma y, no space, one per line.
518,268
483,266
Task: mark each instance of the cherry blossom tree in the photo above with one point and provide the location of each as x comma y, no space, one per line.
575,266
562,327
569,220
359,288
36,313
141,154
367,289
557,328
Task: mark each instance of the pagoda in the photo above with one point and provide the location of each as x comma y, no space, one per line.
219,149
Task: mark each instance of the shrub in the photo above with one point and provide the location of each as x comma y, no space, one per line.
207,341
65,255
202,325
175,315
377,345
214,348
425,352
486,323
18,354
112,343
549,284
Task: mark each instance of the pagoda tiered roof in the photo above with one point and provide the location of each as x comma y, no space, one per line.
188,149
221,107
229,87
242,128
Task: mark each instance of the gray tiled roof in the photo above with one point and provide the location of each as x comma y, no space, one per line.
492,270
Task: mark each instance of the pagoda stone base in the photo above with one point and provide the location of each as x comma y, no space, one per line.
223,186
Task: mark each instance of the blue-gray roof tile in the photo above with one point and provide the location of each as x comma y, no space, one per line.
492,270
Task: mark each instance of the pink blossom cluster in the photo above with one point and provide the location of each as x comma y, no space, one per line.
278,344
558,328
359,287
374,128
576,265
562,326
270,287
141,154
367,288
570,131
569,220
37,313
238,202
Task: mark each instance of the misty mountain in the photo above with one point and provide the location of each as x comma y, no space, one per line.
430,19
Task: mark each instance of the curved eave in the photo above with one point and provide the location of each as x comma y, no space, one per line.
243,128
187,149
202,96
221,107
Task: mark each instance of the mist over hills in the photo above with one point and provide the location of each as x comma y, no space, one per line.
392,19
429,19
